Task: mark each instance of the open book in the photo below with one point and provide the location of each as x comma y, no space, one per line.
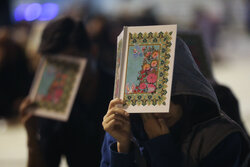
144,67
55,85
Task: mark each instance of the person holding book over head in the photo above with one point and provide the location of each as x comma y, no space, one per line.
78,138
195,131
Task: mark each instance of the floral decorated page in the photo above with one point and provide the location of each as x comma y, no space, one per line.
148,68
55,86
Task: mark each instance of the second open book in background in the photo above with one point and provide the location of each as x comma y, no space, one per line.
56,84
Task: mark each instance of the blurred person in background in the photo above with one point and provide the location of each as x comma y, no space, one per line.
21,32
30,35
15,76
143,18
79,138
209,27
202,56
102,34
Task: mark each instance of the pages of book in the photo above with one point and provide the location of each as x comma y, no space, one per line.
55,85
144,67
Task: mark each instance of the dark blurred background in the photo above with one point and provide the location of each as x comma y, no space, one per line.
224,25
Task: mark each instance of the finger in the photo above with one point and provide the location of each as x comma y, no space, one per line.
27,106
109,126
116,110
150,121
24,104
146,116
163,125
29,110
115,116
26,117
123,124
114,102
120,119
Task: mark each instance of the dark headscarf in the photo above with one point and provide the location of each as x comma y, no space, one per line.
64,33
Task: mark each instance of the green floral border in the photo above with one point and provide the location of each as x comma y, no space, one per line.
164,40
71,70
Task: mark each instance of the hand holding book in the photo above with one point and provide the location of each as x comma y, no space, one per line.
143,79
116,123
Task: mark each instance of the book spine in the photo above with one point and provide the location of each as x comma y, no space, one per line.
118,68
124,58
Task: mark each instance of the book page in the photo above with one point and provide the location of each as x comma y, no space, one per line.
148,68
55,85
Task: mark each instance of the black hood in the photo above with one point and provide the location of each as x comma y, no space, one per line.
187,78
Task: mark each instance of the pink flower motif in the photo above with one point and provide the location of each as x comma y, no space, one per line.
154,63
64,76
151,78
151,88
155,54
148,54
143,49
48,97
58,93
143,86
55,100
146,67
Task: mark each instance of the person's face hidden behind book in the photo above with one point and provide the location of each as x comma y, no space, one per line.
170,118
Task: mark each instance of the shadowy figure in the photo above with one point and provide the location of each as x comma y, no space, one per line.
209,27
15,77
103,38
79,138
200,52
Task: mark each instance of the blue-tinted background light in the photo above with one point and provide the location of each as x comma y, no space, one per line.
19,12
49,11
32,12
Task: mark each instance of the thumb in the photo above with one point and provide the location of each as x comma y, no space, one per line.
26,118
163,126
24,104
